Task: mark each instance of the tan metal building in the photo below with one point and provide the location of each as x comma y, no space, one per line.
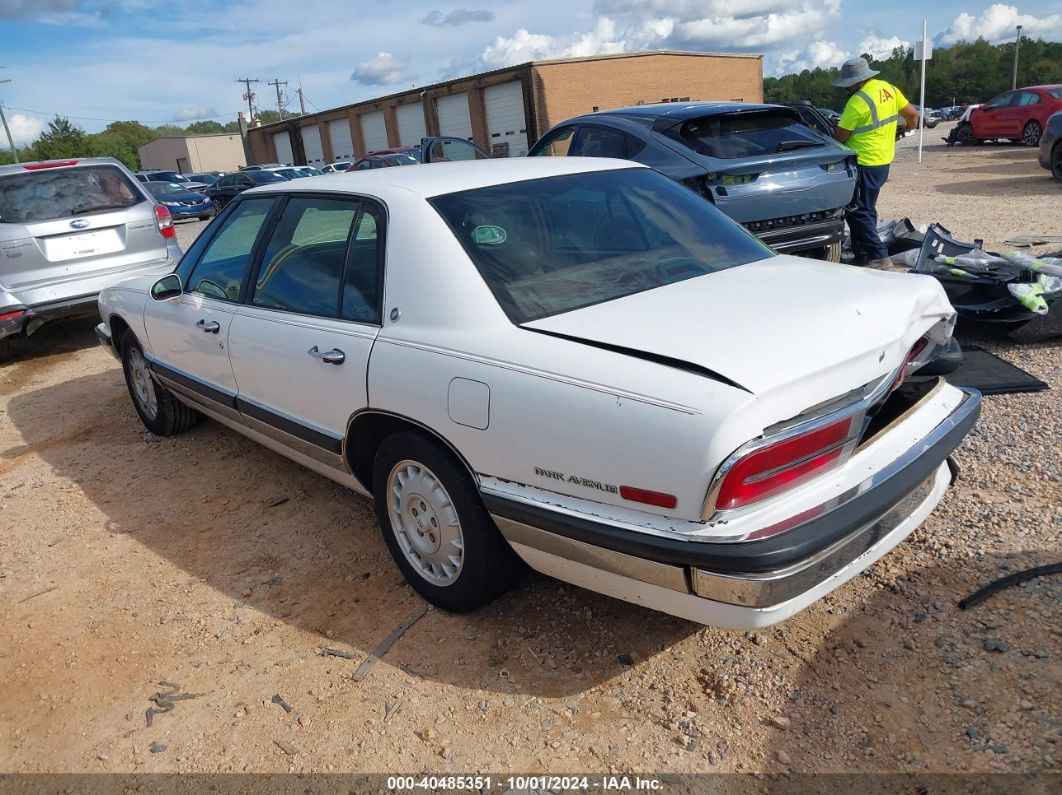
193,153
506,110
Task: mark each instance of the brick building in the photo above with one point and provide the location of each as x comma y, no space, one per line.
506,110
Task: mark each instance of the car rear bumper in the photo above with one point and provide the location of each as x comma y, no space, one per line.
742,585
33,317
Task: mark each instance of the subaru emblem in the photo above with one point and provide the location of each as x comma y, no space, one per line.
80,223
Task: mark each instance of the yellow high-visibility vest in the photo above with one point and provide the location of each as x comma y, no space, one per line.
870,115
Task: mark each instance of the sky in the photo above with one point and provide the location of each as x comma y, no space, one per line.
162,61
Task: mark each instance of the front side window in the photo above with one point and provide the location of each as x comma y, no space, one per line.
302,268
50,193
596,141
748,134
557,144
552,245
220,271
445,150
1001,101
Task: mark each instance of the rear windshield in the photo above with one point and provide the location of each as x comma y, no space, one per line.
51,193
733,135
164,188
552,245
262,177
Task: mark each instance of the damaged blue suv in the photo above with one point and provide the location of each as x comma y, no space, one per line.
760,164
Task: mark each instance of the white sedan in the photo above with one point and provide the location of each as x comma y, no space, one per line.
577,364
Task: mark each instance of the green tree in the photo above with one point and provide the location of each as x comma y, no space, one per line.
208,127
61,140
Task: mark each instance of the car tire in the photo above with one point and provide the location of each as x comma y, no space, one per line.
832,252
219,205
1030,134
204,218
7,349
161,412
436,527
964,134
1056,161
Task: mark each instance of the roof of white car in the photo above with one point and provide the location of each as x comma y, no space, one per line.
436,179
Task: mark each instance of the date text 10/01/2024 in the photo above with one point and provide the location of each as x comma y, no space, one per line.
524,783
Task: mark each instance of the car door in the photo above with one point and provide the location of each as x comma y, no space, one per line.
442,149
1022,111
300,342
189,333
990,121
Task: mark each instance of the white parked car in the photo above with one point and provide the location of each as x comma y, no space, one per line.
573,362
337,168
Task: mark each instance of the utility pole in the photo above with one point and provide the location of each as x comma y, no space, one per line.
302,101
1017,46
7,130
277,83
249,95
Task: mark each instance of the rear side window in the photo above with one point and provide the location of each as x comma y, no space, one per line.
593,140
220,271
733,135
1055,93
1028,98
51,193
303,265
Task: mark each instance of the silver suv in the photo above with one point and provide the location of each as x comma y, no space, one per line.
69,228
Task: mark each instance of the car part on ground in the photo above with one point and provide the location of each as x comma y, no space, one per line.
549,327
69,228
763,165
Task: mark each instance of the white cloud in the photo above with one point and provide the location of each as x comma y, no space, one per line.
383,70
879,47
459,16
632,25
195,113
997,23
820,53
24,129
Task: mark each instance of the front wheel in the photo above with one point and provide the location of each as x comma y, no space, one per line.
218,204
964,134
1056,161
436,527
159,410
1030,136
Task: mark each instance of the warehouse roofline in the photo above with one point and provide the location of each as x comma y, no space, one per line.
502,70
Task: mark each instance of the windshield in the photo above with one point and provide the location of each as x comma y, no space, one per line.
62,192
749,134
206,179
552,245
165,188
262,177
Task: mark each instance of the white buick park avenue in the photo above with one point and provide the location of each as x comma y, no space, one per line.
575,364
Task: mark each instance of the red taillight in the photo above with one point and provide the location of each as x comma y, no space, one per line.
773,469
52,164
657,498
165,221
12,315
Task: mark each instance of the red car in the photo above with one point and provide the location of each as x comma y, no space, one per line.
1019,115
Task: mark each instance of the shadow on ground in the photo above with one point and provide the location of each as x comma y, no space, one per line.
286,541
60,336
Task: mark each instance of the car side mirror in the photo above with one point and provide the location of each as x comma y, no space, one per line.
169,286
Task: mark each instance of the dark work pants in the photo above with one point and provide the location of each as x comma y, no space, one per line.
863,217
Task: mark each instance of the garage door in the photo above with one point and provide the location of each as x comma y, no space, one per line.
411,124
311,145
374,131
282,142
506,126
454,119
342,146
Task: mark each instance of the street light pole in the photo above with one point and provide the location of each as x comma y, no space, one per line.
7,130
1017,46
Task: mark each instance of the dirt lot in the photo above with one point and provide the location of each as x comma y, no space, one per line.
206,561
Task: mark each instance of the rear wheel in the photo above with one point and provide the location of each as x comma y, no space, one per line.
1056,161
436,526
1030,136
159,410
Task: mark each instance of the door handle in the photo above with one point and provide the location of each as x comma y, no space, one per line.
334,356
213,327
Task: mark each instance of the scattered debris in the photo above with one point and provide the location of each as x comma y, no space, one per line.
284,705
625,659
780,722
995,644
346,655
286,747
39,593
390,709
166,701
1006,582
156,748
1026,239
278,501
384,646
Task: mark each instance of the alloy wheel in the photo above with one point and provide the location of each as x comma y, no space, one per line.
425,522
1031,135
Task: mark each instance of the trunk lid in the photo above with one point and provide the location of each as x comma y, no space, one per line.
811,329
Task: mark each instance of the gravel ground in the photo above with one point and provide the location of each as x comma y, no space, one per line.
206,561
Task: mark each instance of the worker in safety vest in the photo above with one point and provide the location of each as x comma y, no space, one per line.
868,126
